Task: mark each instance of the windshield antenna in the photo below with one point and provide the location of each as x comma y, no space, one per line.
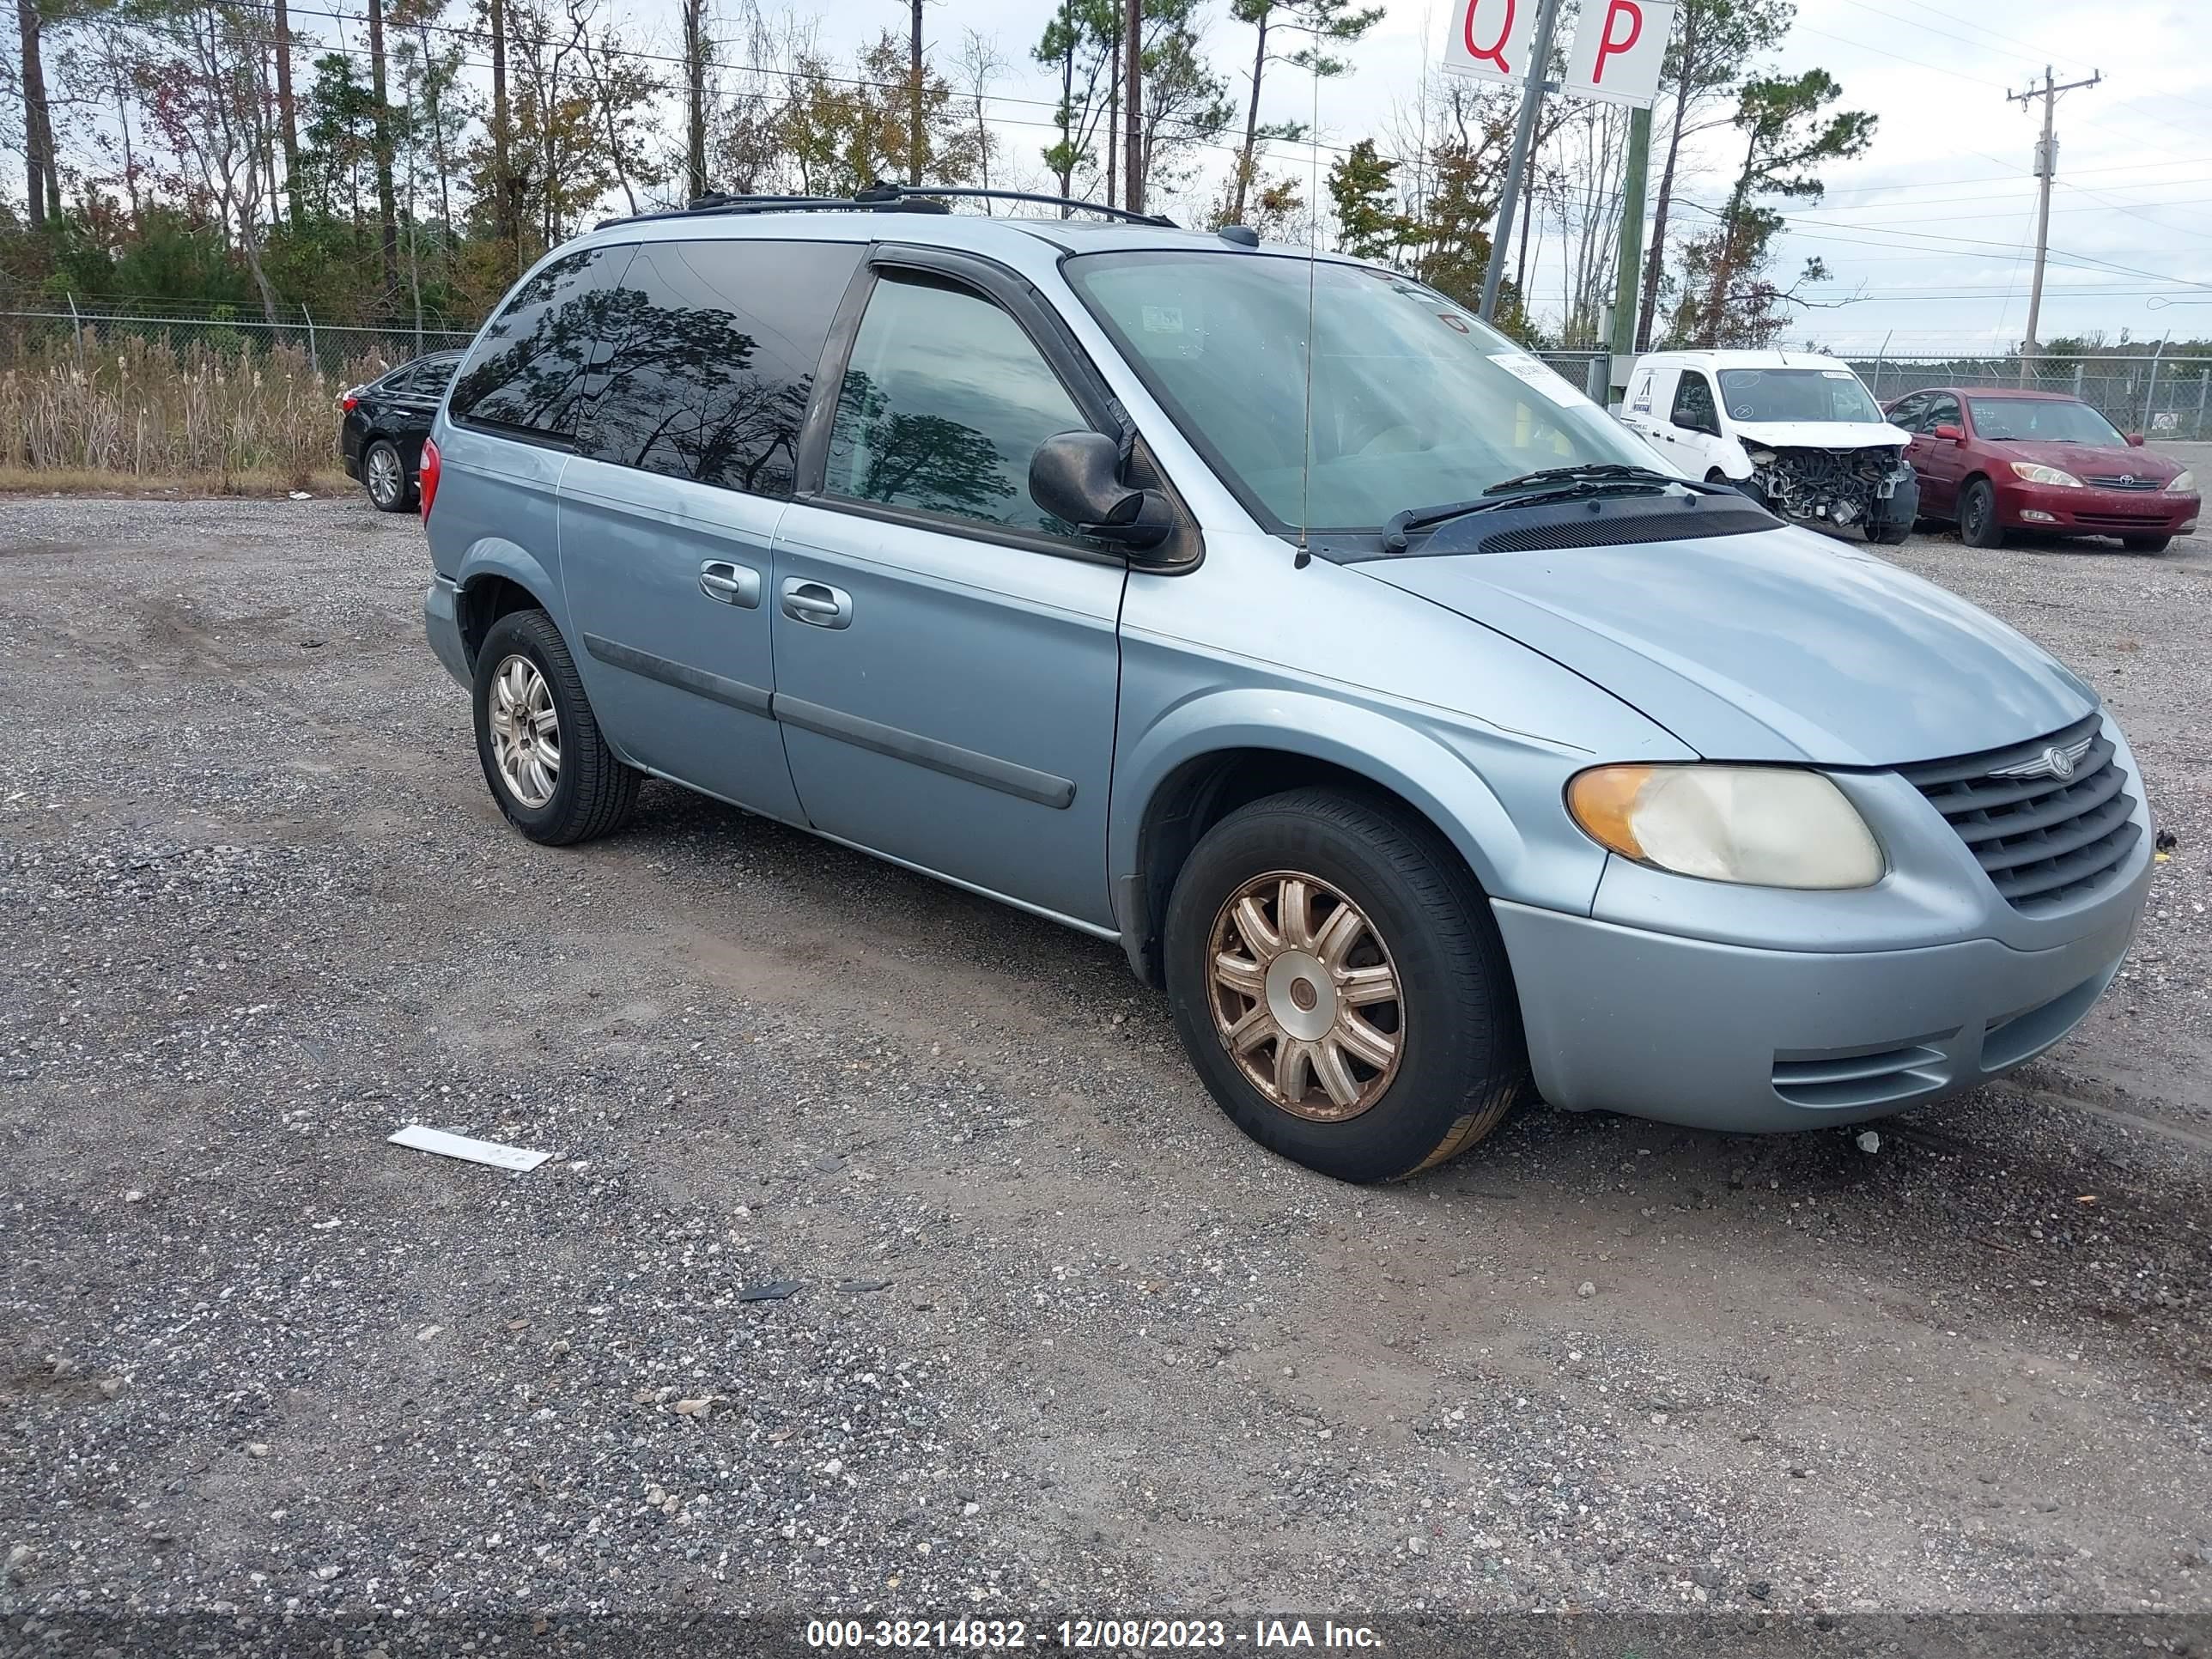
1313,260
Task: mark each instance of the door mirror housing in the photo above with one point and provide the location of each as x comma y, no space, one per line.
1076,477
2134,440
1950,433
1692,423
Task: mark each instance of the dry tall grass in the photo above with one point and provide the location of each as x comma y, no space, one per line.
137,412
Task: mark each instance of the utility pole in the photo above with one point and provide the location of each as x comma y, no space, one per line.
2046,166
1524,132
1623,333
914,128
1133,110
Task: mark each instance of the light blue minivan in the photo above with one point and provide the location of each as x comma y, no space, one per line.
1380,699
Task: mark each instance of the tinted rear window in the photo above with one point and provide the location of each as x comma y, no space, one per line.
526,372
709,350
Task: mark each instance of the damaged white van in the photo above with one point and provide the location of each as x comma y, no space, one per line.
1796,431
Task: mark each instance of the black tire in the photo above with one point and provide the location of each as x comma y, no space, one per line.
1889,535
2146,543
385,475
594,792
1977,515
1463,1062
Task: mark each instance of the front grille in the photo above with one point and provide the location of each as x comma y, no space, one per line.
2118,481
2045,841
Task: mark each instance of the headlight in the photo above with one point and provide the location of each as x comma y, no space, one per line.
2183,484
1766,826
2045,475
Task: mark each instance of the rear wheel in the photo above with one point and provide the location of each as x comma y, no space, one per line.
2146,543
1977,515
1341,987
384,475
549,768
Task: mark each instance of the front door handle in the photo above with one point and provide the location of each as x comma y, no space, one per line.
733,584
817,604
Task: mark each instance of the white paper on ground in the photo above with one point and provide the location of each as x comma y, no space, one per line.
424,1139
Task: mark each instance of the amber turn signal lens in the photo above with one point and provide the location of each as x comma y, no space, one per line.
1602,799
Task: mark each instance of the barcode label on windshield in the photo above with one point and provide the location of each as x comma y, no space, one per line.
1538,374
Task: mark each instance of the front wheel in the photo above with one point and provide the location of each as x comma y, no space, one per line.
549,768
1341,985
1977,515
2146,543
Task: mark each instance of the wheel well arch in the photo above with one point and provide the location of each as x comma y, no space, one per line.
1198,794
484,601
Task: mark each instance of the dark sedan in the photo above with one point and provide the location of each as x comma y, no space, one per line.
380,439
1995,461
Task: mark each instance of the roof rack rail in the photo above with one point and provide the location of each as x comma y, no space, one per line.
883,197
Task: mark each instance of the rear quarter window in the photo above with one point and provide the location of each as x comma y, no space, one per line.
526,372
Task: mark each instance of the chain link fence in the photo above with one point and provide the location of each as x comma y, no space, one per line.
38,335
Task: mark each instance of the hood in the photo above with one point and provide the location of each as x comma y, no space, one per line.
2105,460
1820,434
1780,645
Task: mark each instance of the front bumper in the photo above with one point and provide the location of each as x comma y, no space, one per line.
1729,1037
441,622
2089,511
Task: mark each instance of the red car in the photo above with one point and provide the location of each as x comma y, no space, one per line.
1995,461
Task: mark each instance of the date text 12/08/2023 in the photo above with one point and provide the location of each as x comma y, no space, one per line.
1120,1634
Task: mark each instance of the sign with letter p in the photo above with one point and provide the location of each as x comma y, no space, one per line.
1620,45
1489,38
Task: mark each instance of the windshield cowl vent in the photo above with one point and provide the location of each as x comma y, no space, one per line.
1617,530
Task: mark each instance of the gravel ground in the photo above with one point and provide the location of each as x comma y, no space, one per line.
1063,1339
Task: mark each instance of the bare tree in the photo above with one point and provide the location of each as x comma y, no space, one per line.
380,134
698,51
981,65
42,177
287,115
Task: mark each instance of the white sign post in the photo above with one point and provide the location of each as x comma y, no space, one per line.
1620,45
1489,39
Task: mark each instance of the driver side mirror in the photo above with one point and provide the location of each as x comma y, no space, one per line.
1076,477
2134,440
1711,429
1949,433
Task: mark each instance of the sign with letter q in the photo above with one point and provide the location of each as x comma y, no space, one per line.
1488,39
1620,45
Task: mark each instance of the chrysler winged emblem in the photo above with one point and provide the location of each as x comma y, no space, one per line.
2056,762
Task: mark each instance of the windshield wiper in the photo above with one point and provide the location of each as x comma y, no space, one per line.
1554,484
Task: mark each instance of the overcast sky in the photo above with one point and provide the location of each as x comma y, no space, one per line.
1933,227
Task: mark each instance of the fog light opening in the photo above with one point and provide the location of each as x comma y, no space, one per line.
2037,515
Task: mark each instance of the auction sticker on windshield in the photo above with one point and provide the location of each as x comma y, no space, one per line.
1538,374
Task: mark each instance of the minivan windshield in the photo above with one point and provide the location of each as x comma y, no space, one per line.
1795,394
1414,400
2044,420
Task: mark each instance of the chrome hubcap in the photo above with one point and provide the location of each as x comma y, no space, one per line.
1305,997
526,732
383,474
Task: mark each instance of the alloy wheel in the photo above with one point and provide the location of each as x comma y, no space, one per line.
384,480
525,732
1305,997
